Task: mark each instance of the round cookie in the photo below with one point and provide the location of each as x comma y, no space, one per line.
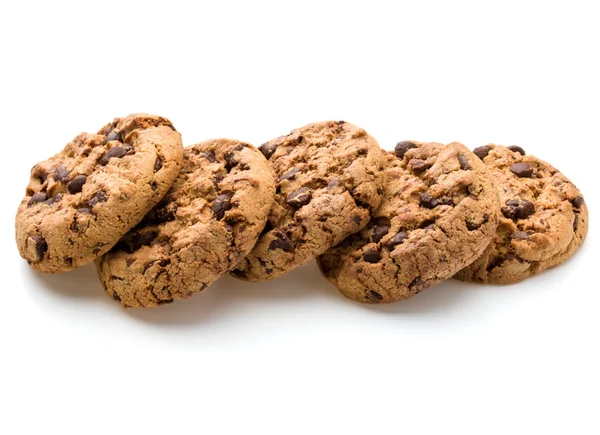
207,222
329,181
439,212
81,201
543,218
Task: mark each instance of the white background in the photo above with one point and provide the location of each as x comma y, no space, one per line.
292,355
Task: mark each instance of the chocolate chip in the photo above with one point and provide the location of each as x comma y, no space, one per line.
577,202
402,147
230,160
282,242
472,226
210,156
516,149
417,285
299,197
379,232
37,197
164,212
153,185
427,200
362,151
158,164
60,174
76,184
116,152
396,240
55,199
97,198
418,165
221,204
482,152
268,148
41,247
371,256
289,175
113,135
522,169
464,162
518,209
335,182
520,235
575,222
142,239
373,296
116,297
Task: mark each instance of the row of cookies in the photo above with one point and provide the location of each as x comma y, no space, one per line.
163,222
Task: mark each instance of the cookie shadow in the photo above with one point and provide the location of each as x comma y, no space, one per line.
229,296
82,282
444,296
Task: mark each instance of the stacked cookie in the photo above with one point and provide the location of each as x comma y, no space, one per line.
163,222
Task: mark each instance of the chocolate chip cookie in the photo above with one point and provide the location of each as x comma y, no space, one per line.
439,212
207,222
81,201
329,181
543,218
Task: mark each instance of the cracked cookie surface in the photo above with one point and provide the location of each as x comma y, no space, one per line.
329,181
543,218
209,219
81,201
439,212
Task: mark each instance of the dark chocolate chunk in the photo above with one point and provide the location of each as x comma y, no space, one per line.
140,239
482,152
577,202
472,226
37,197
116,297
379,232
41,247
113,135
418,165
516,149
522,170
427,200
401,148
230,160
575,222
371,256
55,199
518,209
373,296
268,148
299,198
282,242
76,184
117,152
97,198
158,164
210,156
221,204
164,212
362,151
464,162
335,182
396,240
289,175
61,174
521,235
